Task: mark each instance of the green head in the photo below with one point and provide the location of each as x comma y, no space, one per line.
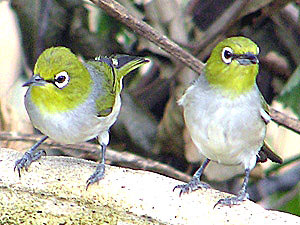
233,65
60,81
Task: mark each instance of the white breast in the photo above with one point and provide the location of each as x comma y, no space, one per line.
228,131
75,126
79,124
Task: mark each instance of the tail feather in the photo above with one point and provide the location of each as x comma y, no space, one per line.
111,71
267,153
126,63
116,67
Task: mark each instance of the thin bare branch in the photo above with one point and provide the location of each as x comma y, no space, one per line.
222,24
117,11
286,121
91,151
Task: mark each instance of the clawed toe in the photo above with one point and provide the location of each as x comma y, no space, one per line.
184,189
23,163
26,161
96,176
19,165
38,155
237,200
193,185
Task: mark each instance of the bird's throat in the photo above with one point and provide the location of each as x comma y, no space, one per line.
233,83
50,101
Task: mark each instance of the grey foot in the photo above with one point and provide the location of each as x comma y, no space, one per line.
97,175
193,185
233,200
27,159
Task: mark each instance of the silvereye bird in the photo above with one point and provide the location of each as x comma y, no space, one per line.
225,113
71,101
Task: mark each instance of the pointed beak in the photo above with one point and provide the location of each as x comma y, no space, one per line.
35,80
247,59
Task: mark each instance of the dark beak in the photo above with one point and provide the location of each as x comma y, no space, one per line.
35,80
247,59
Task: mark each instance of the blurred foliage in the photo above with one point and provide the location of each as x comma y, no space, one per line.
287,201
290,94
150,123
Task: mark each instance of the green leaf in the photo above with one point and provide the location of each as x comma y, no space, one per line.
290,94
287,201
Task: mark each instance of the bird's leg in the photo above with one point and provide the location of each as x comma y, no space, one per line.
195,183
30,156
100,169
242,195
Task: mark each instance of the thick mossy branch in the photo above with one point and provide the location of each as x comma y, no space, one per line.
53,192
91,151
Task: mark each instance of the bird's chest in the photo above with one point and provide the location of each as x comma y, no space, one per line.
73,126
224,129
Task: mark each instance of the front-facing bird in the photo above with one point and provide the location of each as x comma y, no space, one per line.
225,113
72,102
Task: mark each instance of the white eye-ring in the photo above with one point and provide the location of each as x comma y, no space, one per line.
227,54
257,50
61,79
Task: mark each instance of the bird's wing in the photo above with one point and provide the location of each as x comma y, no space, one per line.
266,151
112,70
265,110
105,84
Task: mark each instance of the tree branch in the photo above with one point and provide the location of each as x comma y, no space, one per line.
222,24
284,120
91,151
54,190
117,11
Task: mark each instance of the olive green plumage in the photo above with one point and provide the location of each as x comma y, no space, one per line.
48,97
72,101
225,113
233,78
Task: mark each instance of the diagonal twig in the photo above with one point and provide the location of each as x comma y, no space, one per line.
117,11
222,24
284,120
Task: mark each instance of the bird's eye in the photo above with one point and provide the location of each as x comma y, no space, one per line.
61,79
227,54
